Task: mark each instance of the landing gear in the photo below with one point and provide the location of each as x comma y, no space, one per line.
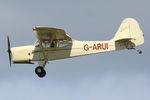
40,71
139,51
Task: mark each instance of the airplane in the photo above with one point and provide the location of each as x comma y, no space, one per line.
54,44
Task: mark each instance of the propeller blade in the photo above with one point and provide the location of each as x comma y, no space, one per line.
9,51
10,59
8,41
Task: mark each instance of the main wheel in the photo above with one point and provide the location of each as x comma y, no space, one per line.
40,71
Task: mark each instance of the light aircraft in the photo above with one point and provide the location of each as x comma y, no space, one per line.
54,44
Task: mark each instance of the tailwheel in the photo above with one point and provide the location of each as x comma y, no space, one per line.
139,51
40,71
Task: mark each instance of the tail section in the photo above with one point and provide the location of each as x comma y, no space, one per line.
129,30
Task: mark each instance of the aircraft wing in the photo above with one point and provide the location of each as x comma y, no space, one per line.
50,34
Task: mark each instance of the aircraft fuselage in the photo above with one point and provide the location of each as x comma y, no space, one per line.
75,48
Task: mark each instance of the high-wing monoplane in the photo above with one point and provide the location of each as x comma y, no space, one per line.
54,44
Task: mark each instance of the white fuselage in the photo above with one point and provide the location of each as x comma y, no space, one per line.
73,49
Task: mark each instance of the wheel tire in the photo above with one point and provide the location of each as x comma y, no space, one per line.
140,52
40,71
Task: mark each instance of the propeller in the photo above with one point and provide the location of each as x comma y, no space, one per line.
9,51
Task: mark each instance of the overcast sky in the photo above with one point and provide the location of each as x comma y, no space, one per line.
121,75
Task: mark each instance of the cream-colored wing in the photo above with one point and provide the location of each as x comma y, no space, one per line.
50,34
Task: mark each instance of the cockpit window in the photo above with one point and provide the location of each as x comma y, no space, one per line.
37,44
63,43
52,44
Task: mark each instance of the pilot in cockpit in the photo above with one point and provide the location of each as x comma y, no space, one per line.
46,44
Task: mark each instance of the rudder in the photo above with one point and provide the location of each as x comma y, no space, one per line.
130,30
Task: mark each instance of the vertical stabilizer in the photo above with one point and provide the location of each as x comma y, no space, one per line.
130,30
